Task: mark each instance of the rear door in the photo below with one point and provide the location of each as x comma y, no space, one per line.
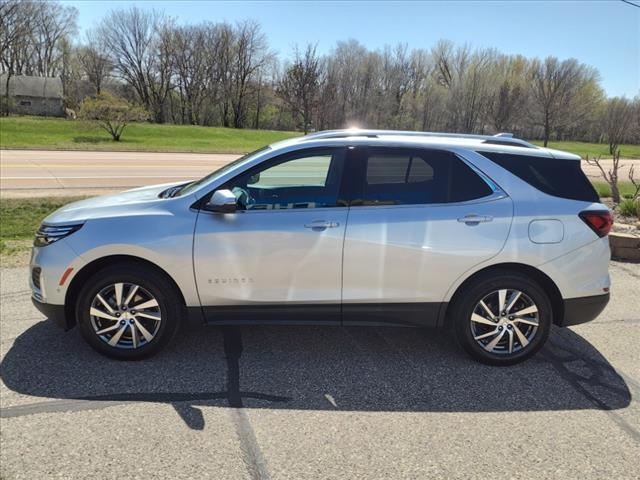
418,220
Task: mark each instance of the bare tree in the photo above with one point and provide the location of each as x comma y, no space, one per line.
54,24
465,76
299,86
617,121
610,175
555,87
504,105
95,64
15,34
250,54
138,43
193,63
507,102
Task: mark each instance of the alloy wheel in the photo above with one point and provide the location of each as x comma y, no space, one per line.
125,315
504,322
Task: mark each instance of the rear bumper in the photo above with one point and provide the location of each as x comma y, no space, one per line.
53,312
583,309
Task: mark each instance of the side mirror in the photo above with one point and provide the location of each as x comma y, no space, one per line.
222,201
253,179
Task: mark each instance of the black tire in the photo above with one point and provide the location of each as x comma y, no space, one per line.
154,283
467,300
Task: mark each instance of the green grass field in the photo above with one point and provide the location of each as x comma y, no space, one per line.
593,149
61,134
626,189
20,218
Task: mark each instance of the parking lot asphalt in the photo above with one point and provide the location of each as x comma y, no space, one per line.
319,402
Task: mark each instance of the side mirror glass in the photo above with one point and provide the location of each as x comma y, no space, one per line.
253,179
222,201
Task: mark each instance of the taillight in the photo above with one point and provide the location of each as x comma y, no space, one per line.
600,221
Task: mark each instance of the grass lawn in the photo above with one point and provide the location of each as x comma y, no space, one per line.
626,189
19,220
62,134
593,149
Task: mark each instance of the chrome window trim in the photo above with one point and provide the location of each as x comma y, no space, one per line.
488,180
277,210
497,192
489,198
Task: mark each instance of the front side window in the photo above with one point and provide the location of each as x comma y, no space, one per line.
309,179
407,177
193,186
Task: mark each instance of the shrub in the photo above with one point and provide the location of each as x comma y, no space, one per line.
112,113
630,208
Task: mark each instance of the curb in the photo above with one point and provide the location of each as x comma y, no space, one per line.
625,246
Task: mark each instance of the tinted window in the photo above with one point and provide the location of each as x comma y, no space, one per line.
401,176
302,171
309,179
560,178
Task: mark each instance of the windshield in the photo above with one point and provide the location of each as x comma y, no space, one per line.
191,187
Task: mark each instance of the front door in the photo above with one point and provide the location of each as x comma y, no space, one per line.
279,257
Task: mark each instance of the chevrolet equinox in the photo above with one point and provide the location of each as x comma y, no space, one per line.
491,236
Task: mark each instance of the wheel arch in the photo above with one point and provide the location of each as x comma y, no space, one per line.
547,284
79,279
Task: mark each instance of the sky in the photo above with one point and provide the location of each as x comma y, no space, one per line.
603,34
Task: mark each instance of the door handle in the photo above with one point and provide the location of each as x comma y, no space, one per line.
321,224
475,219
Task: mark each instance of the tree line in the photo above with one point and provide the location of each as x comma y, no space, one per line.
226,74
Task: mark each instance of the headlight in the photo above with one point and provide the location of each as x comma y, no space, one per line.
48,234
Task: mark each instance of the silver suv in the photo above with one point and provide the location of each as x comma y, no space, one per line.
488,235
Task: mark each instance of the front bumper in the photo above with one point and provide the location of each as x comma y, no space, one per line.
583,309
54,312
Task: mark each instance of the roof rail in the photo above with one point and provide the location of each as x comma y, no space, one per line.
499,139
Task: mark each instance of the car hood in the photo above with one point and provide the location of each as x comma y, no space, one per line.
137,201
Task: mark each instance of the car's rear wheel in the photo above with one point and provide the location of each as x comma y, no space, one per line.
502,318
128,312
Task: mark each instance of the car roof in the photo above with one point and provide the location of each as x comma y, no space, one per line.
504,143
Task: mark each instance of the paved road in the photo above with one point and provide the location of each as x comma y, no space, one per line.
31,169
73,172
319,402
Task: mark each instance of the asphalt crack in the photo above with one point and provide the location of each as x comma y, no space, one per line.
184,404
251,453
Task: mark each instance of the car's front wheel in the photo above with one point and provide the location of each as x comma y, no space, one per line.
128,312
502,318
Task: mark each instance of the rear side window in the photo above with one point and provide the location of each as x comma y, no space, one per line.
560,178
408,177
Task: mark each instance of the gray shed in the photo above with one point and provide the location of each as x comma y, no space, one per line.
35,95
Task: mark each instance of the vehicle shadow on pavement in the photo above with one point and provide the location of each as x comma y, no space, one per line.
307,368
